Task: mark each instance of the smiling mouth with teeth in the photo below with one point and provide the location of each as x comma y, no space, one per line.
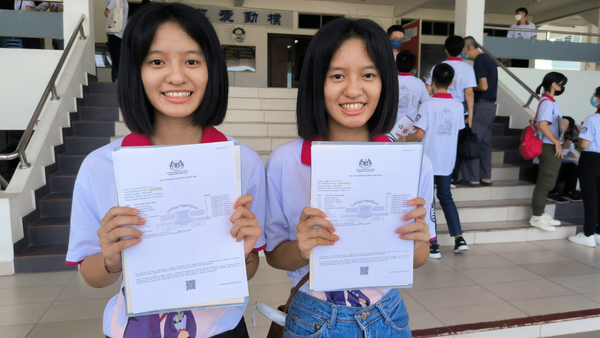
177,94
353,106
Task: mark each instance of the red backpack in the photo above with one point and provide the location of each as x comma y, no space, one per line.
531,145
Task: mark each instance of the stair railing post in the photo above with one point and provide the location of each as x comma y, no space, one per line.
24,164
528,101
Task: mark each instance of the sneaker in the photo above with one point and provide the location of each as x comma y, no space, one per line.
584,240
468,184
460,244
556,198
434,251
541,223
452,184
572,197
485,184
550,220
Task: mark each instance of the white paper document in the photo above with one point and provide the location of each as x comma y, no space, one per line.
403,127
187,258
364,189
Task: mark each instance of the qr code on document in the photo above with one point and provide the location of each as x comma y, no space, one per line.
364,270
190,285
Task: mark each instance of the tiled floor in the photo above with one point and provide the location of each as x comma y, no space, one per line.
491,282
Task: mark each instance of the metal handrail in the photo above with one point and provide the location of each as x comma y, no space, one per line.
532,95
50,89
540,30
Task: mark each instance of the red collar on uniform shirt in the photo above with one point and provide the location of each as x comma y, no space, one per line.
443,96
209,135
305,154
454,58
548,97
526,23
404,74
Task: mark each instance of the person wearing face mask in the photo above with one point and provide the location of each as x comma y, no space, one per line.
522,23
589,176
549,123
396,35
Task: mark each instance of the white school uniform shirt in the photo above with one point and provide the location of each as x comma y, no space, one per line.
288,191
112,4
522,35
590,131
411,92
95,193
441,119
22,5
548,111
464,77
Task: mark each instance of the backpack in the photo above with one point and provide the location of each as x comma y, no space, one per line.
530,146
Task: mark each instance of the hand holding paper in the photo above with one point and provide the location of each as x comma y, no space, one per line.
112,231
245,225
308,236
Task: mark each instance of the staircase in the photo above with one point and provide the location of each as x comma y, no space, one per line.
46,229
264,118
500,213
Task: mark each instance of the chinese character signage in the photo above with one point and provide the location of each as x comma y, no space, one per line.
247,17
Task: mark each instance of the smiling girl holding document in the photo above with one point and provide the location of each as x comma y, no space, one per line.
172,89
348,93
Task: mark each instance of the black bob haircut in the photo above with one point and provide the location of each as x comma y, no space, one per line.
454,45
311,115
522,9
442,76
406,61
549,79
138,112
394,28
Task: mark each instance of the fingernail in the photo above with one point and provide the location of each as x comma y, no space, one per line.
142,221
336,237
140,233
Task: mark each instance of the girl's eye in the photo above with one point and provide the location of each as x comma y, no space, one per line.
192,62
337,76
156,62
370,76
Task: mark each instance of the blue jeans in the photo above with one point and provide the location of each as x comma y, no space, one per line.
444,195
312,317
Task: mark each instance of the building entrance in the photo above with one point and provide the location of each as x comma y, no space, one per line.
286,55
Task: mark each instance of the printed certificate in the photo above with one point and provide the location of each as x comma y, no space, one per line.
364,189
187,258
403,127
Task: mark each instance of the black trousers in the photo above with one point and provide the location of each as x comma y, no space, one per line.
589,180
114,48
240,331
567,174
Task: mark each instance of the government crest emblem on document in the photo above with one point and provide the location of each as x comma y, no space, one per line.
177,166
365,163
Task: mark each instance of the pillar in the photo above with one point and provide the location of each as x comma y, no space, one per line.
468,18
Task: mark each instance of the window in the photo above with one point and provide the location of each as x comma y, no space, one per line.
314,21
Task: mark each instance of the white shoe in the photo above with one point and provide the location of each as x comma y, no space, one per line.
597,237
550,219
541,223
582,239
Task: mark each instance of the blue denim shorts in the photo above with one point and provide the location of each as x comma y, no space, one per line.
312,317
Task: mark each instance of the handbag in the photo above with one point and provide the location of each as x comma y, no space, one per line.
530,145
276,330
468,144
114,20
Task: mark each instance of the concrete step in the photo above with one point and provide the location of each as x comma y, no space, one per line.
500,190
492,210
505,232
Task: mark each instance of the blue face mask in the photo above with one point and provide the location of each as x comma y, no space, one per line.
396,44
594,101
464,56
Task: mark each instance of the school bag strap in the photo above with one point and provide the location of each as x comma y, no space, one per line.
296,288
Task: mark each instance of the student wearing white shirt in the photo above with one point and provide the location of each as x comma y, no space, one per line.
348,93
522,23
549,123
114,39
396,35
441,117
411,90
589,176
24,5
464,76
173,91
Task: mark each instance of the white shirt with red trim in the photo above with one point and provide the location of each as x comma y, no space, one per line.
95,193
441,119
288,188
522,35
464,77
548,111
411,92
590,131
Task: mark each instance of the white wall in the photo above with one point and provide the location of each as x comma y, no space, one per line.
575,101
